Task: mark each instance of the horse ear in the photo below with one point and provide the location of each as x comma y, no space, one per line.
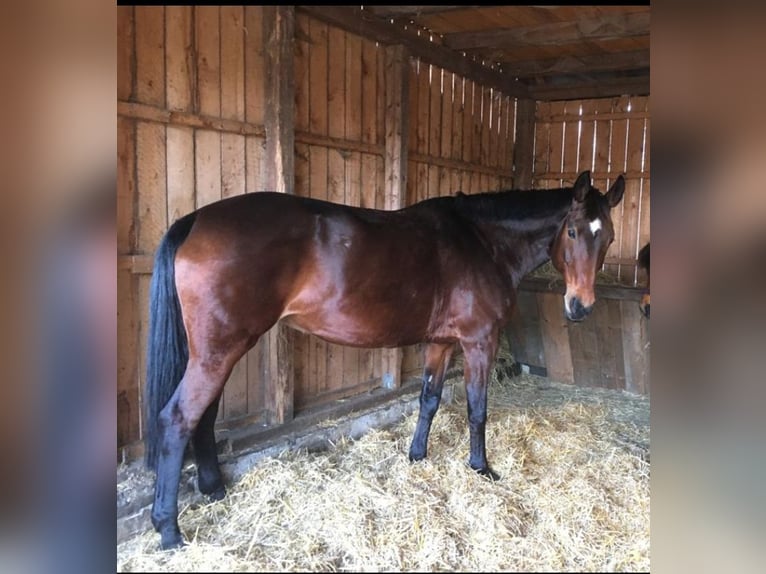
582,186
614,195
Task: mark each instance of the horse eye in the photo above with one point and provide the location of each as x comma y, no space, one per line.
571,232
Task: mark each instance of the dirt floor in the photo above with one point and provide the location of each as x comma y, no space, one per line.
574,494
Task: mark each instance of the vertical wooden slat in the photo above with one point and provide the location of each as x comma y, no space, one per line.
617,164
336,86
571,156
150,55
318,78
412,95
553,325
179,61
457,123
542,136
635,344
556,146
255,149
486,121
632,198
380,58
125,53
369,95
610,375
585,358
494,131
353,91
433,181
207,151
208,59
232,63
302,86
476,123
369,184
525,157
254,96
446,121
180,171
128,389
397,117
279,89
435,116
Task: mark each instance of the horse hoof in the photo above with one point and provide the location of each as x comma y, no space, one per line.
488,473
218,494
172,541
416,456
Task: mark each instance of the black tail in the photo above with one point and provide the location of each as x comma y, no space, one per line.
168,350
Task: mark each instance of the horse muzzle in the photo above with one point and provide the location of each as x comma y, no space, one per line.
574,310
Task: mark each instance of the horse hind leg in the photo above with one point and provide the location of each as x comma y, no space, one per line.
437,358
195,398
209,479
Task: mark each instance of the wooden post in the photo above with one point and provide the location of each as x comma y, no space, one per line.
523,151
279,92
397,63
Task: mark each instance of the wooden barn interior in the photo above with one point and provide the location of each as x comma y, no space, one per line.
380,107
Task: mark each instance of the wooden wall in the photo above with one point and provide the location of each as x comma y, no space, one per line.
610,349
609,136
190,132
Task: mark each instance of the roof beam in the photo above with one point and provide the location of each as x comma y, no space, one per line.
638,86
611,27
366,24
401,11
578,64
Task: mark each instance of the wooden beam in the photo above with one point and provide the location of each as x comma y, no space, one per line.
539,284
524,148
611,27
577,64
279,93
397,119
638,86
401,11
364,23
151,113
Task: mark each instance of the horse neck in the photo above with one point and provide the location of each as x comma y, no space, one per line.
520,246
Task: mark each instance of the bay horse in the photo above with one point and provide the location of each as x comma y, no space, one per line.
442,271
643,263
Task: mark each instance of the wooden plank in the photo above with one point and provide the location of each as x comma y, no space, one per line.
494,131
605,347
556,144
180,172
302,85
457,119
318,77
445,150
478,103
525,159
468,112
435,113
587,135
257,364
570,152
632,197
486,119
369,95
158,115
579,64
128,385
540,284
412,96
232,63
606,27
542,136
400,11
126,55
254,96
180,80
126,185
585,360
150,47
617,162
142,310
279,90
635,345
368,183
424,109
336,82
433,181
208,59
365,24
638,85
255,151
151,188
207,152
380,58
353,91
553,327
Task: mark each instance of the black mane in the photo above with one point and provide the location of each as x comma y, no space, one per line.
515,205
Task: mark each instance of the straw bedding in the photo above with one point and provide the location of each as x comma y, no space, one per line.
574,495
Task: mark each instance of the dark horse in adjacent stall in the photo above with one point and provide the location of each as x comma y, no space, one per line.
443,271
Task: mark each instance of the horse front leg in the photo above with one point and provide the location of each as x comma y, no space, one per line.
437,358
479,357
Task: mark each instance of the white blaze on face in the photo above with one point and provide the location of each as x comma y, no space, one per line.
595,225
566,303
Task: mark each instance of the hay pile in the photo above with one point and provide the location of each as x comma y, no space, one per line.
571,498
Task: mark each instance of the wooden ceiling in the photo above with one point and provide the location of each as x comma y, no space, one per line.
542,52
